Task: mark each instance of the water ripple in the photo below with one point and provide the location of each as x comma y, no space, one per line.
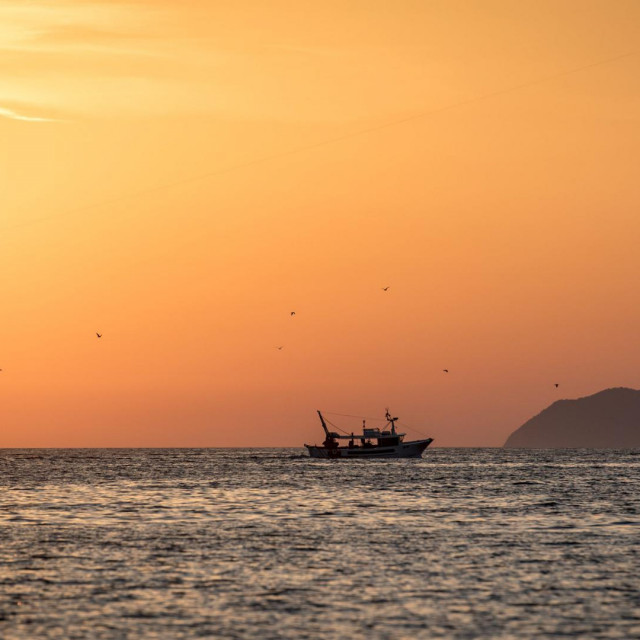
466,543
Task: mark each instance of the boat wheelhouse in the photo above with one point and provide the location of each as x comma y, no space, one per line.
372,443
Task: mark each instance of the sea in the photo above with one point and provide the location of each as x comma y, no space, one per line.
267,543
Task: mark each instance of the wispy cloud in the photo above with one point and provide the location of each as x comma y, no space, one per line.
13,115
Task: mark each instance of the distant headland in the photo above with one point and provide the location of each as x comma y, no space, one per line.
608,419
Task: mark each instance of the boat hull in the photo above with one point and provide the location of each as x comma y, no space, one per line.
403,450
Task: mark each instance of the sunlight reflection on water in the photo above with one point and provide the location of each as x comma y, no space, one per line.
464,543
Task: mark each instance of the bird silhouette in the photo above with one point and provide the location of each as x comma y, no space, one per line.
556,385
385,288
293,313
279,348
99,334
446,370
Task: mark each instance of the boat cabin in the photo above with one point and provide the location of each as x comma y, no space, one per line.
385,438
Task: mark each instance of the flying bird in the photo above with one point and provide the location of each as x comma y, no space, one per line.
556,385
279,348
385,288
99,334
293,313
446,370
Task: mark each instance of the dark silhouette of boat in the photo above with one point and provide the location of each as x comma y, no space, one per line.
373,443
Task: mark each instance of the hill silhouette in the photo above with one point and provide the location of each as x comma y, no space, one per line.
608,419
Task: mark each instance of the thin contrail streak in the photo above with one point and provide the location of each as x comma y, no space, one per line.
12,115
336,140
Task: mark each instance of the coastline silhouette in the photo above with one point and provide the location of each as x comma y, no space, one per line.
609,419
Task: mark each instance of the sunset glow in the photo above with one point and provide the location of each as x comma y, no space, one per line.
179,177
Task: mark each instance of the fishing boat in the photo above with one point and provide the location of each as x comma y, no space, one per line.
373,443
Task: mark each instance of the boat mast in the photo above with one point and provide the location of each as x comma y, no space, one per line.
392,421
324,426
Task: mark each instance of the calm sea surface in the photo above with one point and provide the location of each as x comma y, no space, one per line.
240,543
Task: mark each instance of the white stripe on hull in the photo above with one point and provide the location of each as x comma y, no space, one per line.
405,450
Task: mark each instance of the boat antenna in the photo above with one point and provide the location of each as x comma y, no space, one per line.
392,421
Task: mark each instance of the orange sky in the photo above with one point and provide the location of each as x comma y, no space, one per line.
507,226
